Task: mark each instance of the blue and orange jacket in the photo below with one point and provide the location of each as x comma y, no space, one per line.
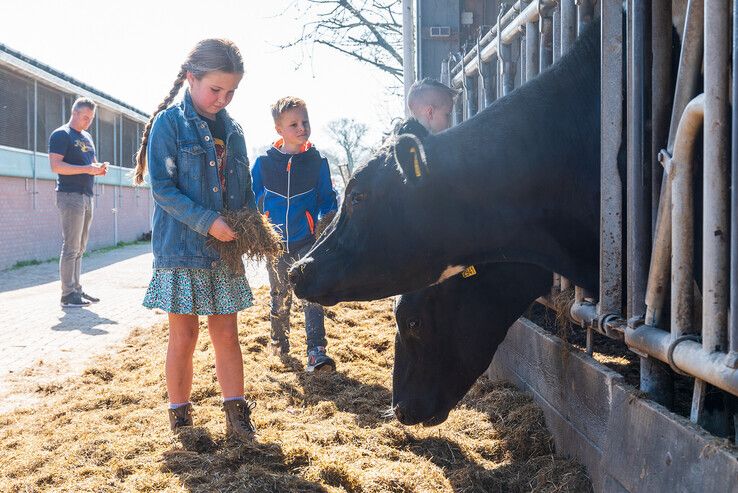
294,191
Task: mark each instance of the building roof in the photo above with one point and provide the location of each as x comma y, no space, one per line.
67,78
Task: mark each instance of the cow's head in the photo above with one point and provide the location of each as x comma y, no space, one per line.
386,220
447,335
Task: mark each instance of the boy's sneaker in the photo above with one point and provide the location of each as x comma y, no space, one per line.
73,300
319,361
88,297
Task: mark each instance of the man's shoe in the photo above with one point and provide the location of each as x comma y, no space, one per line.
319,361
88,297
238,419
181,416
73,300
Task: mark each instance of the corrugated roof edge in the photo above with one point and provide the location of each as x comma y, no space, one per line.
71,80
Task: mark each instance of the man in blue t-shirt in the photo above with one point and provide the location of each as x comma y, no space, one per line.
72,157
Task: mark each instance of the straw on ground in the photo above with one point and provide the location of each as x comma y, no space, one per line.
108,431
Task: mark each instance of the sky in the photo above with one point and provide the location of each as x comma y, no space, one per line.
132,50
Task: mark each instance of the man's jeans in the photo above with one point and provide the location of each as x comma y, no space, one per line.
281,292
76,215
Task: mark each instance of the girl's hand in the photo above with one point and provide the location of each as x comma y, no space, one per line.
221,231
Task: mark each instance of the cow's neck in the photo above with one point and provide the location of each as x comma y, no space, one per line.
526,171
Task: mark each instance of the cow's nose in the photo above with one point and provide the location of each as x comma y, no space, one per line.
399,414
294,275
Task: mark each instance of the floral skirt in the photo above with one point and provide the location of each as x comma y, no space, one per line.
198,291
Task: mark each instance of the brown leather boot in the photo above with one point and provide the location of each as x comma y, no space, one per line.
182,416
238,419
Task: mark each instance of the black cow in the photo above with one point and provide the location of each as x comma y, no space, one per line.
447,335
519,182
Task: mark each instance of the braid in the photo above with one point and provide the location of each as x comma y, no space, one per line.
141,154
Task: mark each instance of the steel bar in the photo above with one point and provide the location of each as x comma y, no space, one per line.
509,33
490,83
690,63
690,60
638,202
682,207
715,203
532,53
585,14
660,93
545,35
656,377
611,203
568,25
732,360
556,34
508,69
471,96
408,68
688,356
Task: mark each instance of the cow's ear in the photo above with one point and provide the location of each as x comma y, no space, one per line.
410,158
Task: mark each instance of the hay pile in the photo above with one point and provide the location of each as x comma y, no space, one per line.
257,239
107,430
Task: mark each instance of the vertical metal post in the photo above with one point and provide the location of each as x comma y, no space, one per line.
638,209
568,25
458,110
660,93
585,13
471,94
115,187
520,44
408,72
545,34
508,71
732,360
690,63
35,140
656,377
611,202
715,213
532,46
490,83
556,41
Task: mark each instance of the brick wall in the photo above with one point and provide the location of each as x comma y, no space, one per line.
28,234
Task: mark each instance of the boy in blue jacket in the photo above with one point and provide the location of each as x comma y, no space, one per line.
292,186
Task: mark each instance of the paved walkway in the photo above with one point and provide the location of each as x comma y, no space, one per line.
40,341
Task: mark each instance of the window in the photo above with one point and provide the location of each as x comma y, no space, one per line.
131,140
50,115
16,110
106,136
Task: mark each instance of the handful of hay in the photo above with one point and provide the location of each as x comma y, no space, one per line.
257,239
323,223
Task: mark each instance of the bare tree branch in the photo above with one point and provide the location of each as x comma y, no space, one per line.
365,30
348,134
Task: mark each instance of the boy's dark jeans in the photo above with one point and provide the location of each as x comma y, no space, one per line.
281,291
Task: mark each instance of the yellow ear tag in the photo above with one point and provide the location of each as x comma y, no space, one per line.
416,163
468,272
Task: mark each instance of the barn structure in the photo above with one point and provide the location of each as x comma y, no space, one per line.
35,99
647,439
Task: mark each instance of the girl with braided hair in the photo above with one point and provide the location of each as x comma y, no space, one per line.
197,167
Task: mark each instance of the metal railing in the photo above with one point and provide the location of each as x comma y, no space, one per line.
659,188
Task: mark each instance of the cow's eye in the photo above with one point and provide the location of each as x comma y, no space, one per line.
356,197
413,324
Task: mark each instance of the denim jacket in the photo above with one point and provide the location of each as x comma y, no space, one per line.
185,185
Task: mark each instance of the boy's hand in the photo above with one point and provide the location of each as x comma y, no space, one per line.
221,231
